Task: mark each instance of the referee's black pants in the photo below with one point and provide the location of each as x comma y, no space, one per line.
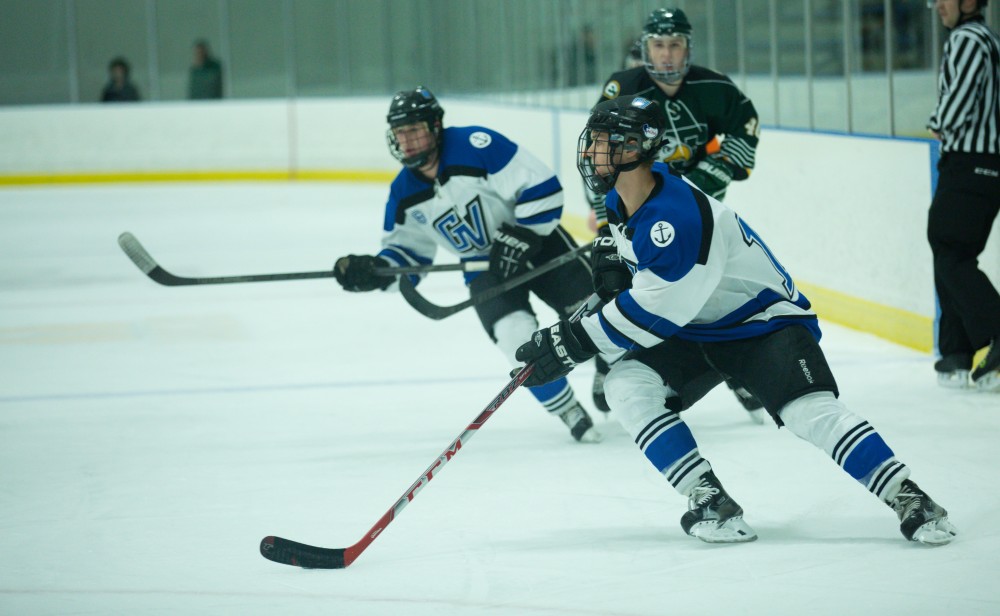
961,215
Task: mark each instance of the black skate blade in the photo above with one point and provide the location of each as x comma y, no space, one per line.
301,555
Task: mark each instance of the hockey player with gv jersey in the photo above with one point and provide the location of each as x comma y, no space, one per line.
476,194
695,296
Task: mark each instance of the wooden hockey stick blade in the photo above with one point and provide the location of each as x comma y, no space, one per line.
145,262
436,312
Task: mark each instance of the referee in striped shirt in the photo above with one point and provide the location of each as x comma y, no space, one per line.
967,121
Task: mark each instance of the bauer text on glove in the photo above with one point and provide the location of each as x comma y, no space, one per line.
512,248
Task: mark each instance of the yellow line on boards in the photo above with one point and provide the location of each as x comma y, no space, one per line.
894,324
360,175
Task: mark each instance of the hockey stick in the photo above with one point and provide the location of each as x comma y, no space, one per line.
436,312
288,552
145,262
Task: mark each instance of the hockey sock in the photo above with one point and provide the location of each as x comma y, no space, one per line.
849,440
650,412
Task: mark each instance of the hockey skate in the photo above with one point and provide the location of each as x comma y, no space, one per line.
713,516
600,401
920,518
986,376
580,424
953,370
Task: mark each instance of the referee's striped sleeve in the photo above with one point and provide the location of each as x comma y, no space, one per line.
968,111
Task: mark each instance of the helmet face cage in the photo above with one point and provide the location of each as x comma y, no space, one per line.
667,22
629,124
412,107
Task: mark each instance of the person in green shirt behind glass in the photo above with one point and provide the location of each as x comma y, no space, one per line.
206,74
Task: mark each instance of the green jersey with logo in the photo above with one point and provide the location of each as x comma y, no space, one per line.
706,105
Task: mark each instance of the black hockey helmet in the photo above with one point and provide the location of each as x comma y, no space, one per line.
410,107
626,124
633,58
667,22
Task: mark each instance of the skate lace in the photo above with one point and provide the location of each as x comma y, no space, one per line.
702,494
906,503
572,415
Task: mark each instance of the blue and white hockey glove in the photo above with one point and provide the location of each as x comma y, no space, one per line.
712,175
610,274
554,352
512,248
357,273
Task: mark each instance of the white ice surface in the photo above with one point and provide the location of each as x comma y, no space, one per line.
151,436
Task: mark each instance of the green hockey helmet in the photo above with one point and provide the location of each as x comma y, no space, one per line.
667,22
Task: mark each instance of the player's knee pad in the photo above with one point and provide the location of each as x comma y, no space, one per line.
636,394
513,330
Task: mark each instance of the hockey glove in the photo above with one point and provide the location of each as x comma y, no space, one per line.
611,275
712,176
512,248
553,352
357,273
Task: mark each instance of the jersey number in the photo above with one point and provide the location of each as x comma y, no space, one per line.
466,233
750,237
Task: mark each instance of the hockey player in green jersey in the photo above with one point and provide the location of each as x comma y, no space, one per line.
700,104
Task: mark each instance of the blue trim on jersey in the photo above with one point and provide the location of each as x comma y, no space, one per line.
752,329
406,184
395,254
616,337
867,456
648,321
541,217
457,149
547,188
725,328
671,446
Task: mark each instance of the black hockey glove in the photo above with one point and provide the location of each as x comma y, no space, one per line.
712,175
611,275
512,248
357,273
553,352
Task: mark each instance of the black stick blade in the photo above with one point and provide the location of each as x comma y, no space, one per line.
136,252
301,555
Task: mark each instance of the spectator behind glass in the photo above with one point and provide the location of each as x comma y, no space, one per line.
119,88
206,74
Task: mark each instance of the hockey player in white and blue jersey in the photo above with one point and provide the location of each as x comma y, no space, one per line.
475,193
695,297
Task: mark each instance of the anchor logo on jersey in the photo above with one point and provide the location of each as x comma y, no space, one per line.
466,233
662,233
